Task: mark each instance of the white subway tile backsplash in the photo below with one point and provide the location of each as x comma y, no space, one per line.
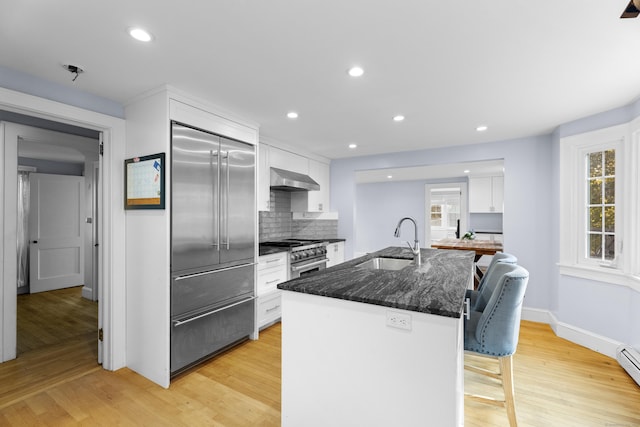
278,224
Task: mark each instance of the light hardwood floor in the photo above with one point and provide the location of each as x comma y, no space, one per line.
558,383
57,333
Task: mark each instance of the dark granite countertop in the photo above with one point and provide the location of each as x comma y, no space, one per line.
269,250
333,240
436,287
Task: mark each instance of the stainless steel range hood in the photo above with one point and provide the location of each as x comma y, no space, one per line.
292,181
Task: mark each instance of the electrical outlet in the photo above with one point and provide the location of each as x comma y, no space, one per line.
395,319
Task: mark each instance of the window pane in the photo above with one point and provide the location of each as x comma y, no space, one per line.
610,190
610,219
595,218
436,215
609,247
610,162
452,219
595,246
595,191
595,164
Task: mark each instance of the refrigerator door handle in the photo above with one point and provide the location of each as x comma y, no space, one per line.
225,155
209,313
216,223
204,273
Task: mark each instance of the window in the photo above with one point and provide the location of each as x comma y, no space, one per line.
445,206
600,205
600,185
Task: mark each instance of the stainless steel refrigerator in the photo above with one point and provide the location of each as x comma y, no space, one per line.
213,230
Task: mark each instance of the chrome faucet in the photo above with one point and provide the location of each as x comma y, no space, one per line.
416,244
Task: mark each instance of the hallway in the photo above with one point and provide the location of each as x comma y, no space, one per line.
56,343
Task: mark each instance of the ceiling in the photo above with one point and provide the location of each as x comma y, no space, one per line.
520,68
432,172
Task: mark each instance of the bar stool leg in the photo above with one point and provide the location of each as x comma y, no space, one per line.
506,368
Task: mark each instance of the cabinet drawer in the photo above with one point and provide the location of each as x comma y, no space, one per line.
273,260
269,308
205,334
268,279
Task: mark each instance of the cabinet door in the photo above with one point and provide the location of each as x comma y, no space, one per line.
269,309
289,161
497,192
313,201
264,178
480,194
319,200
335,253
272,269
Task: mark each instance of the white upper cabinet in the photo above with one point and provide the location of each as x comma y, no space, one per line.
313,201
486,194
287,160
301,201
264,178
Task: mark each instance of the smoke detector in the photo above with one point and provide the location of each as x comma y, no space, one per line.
74,69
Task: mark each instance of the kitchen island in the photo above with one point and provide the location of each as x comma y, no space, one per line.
363,346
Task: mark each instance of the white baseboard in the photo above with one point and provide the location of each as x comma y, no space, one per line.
87,293
588,339
537,315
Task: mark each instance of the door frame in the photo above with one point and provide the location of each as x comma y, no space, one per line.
112,249
464,206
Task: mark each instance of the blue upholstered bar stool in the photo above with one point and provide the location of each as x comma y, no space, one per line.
499,257
493,332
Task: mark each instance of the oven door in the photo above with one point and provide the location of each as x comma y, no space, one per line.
308,267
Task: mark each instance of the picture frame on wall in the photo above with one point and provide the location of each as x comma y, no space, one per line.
144,182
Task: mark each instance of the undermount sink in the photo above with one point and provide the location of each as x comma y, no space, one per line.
382,263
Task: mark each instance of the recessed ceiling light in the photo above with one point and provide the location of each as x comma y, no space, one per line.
389,176
140,34
466,171
398,118
353,146
481,128
292,115
355,71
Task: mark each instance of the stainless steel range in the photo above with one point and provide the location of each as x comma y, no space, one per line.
306,256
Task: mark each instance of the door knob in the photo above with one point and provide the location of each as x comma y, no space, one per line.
35,241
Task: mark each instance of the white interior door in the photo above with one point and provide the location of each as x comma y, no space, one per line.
56,232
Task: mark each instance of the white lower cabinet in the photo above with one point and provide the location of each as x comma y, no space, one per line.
269,308
335,253
272,269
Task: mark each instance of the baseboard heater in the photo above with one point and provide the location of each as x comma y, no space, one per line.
629,359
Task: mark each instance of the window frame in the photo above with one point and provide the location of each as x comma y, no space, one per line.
582,194
625,268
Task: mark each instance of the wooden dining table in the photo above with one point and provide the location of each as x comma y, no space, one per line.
480,247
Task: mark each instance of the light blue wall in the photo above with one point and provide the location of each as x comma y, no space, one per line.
527,217
380,207
605,309
25,83
530,221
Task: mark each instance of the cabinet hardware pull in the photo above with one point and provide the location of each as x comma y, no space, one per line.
204,273
273,308
209,313
311,264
